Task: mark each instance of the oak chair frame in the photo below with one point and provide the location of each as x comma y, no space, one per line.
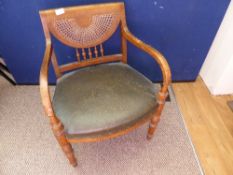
126,36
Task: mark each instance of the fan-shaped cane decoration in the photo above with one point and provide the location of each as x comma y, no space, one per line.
100,28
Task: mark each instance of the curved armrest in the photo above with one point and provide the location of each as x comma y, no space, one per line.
158,57
44,88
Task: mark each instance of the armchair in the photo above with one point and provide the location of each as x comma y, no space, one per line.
98,96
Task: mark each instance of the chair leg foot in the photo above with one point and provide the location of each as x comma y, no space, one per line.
152,127
149,137
74,164
68,150
58,130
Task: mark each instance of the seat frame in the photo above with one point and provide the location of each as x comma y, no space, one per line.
126,36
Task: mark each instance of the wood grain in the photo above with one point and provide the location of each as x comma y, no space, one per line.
210,124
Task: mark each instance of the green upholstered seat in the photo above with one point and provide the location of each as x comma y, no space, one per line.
102,97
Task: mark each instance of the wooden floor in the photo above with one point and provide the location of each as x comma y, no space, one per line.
210,124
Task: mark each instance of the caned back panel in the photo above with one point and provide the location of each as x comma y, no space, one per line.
84,26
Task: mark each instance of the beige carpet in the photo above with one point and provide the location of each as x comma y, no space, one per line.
27,145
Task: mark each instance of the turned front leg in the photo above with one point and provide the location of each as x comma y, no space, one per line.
156,118
58,130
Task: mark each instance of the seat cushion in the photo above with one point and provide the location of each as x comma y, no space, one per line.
102,97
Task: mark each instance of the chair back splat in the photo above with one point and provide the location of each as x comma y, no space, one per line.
84,28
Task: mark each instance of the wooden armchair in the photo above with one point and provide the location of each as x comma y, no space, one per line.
105,98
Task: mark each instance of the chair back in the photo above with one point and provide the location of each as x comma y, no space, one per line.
84,28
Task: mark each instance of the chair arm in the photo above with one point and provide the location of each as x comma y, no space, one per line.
158,57
44,88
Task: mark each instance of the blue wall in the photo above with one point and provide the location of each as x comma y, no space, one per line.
182,30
